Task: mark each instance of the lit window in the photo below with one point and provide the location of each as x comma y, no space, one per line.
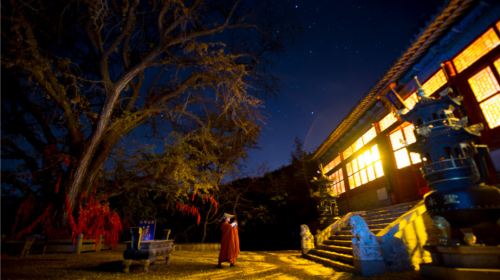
415,158
360,142
347,152
332,164
409,134
491,111
484,84
434,83
476,50
486,89
387,121
369,135
497,65
402,158
379,171
337,186
404,136
366,167
397,139
411,100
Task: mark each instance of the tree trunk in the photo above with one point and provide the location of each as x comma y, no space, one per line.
205,224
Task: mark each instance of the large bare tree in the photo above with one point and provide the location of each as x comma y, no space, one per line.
80,76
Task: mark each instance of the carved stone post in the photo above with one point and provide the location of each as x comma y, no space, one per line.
368,260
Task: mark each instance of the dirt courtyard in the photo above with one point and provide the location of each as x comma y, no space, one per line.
183,265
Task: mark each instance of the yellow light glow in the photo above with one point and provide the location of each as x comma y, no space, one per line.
484,84
402,159
397,139
387,121
411,100
488,41
491,111
434,83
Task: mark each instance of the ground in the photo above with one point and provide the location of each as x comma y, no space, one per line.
183,265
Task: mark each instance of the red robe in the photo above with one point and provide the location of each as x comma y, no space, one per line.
230,244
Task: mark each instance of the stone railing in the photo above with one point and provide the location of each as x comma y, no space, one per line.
336,226
402,241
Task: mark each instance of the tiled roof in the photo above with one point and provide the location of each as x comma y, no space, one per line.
434,30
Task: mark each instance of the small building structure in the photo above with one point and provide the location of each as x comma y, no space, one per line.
366,156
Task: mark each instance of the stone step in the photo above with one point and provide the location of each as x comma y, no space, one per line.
334,248
382,219
339,266
343,243
386,215
341,237
344,258
405,206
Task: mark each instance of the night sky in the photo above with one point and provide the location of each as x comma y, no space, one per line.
343,48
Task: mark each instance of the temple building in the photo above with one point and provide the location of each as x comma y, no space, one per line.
365,156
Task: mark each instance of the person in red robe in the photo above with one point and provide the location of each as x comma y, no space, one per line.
230,241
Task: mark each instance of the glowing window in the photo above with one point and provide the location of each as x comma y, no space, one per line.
476,50
397,139
404,136
409,134
379,171
347,152
434,83
337,186
402,158
387,121
366,167
332,164
486,89
484,84
491,111
415,158
497,65
411,100
360,142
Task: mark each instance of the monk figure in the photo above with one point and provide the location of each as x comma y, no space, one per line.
230,242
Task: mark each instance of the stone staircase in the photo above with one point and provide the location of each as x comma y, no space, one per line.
336,251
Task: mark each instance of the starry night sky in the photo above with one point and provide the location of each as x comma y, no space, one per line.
342,50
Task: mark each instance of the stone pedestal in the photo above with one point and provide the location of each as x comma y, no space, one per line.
148,252
462,262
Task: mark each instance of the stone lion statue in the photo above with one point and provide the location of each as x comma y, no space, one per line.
307,239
